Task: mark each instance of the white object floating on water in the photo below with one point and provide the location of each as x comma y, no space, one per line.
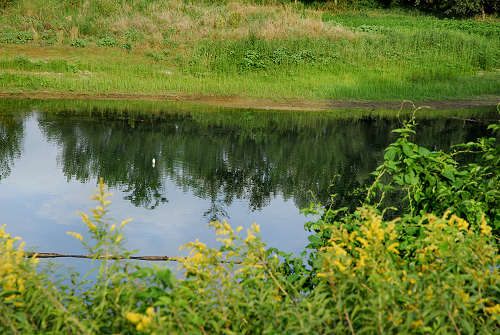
154,162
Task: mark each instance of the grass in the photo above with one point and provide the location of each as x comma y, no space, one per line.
244,49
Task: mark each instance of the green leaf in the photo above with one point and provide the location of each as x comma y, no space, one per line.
408,151
423,151
448,172
404,131
390,154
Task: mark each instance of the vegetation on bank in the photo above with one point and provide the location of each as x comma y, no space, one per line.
269,49
429,266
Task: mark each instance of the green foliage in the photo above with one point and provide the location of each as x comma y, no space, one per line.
457,8
79,43
21,37
107,41
414,182
444,8
434,181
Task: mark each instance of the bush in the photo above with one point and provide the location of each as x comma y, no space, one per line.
79,43
454,8
107,41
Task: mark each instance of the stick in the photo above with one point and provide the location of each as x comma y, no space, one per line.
116,257
142,258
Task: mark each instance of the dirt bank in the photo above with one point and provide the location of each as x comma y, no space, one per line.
267,104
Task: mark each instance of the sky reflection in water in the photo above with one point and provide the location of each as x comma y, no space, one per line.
241,165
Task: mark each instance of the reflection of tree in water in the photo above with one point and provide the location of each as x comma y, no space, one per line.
11,140
113,150
252,156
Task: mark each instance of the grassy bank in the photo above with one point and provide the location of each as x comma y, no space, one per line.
244,49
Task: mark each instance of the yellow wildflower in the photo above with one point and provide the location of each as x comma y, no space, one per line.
124,222
485,229
339,265
150,311
255,227
392,248
119,238
493,309
250,236
415,324
362,240
133,317
112,228
146,321
91,226
75,235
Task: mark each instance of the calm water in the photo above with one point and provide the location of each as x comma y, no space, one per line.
243,166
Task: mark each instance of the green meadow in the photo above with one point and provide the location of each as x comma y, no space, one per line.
271,50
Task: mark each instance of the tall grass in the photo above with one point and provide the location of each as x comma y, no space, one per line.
240,48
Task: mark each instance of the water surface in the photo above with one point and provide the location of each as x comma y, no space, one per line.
241,165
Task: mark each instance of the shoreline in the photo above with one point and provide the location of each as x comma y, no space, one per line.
263,103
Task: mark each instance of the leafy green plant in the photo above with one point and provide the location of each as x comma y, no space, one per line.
79,43
127,46
156,56
107,41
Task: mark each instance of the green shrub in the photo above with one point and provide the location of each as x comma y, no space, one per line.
79,43
453,8
107,41
21,37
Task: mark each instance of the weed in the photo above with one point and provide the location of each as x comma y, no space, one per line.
127,46
156,56
107,41
79,43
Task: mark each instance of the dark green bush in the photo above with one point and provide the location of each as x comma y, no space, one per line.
456,8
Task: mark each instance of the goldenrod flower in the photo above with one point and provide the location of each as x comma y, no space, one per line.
392,248
493,309
146,321
133,317
75,235
112,228
250,236
255,227
418,323
124,222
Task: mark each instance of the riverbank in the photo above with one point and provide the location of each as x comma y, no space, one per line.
264,55
485,102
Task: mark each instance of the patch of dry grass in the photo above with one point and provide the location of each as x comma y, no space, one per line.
176,20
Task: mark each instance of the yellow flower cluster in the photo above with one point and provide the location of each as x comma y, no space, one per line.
141,321
495,310
12,275
97,224
351,252
216,268
75,235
